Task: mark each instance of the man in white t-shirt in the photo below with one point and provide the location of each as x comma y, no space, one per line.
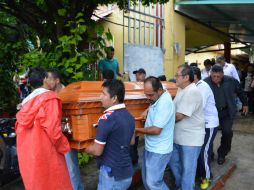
211,127
228,68
206,71
189,129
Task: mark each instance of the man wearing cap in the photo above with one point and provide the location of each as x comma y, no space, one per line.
224,88
140,75
228,69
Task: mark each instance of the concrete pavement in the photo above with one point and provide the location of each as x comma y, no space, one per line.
242,154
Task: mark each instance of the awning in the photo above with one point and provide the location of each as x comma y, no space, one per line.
234,17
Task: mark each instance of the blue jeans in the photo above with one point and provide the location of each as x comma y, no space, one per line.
73,167
107,182
183,164
153,169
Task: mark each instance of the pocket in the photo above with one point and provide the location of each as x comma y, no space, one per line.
106,171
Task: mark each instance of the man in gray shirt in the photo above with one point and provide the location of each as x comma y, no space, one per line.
189,129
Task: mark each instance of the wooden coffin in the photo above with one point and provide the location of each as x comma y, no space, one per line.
82,108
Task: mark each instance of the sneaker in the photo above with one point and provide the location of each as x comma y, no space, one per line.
204,184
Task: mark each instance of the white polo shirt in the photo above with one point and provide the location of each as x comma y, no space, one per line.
230,70
204,73
210,111
190,131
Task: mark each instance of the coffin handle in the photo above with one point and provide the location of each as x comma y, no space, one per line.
66,127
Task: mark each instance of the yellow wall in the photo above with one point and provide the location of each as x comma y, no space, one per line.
174,33
199,58
117,32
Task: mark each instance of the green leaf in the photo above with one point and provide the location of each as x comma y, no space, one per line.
83,60
109,35
69,70
79,15
73,60
78,66
79,75
99,29
61,12
82,29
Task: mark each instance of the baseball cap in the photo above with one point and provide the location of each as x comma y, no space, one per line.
220,57
141,70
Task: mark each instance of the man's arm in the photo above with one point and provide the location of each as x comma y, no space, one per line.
117,71
51,123
153,130
235,74
240,93
179,116
95,149
133,139
100,75
103,131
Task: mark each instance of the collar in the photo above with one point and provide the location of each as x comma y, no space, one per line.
35,93
199,82
110,59
116,107
164,92
226,65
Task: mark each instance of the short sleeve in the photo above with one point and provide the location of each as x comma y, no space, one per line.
187,104
163,117
103,130
164,111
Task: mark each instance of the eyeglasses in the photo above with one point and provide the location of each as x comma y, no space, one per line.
176,75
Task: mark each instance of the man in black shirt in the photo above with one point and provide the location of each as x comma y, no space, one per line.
224,88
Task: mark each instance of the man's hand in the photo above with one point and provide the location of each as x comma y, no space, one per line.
179,116
153,130
245,110
95,149
144,114
133,139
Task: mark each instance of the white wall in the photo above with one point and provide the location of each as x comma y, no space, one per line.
148,58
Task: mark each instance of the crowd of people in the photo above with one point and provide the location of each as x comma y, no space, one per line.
178,133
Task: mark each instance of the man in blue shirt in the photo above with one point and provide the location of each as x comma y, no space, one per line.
113,137
159,128
109,63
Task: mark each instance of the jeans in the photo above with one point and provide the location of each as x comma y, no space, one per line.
153,169
107,182
73,167
183,164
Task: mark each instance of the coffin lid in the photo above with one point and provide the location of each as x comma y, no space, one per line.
89,91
